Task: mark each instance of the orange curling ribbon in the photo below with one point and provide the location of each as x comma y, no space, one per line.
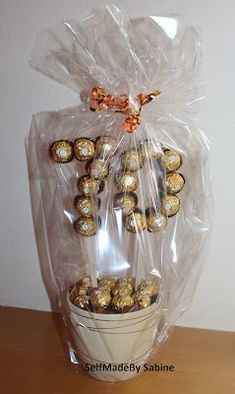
100,100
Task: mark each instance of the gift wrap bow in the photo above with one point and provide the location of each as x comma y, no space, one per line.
100,100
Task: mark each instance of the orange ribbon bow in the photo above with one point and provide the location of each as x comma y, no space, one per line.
100,100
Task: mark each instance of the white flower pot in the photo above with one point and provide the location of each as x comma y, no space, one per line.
116,339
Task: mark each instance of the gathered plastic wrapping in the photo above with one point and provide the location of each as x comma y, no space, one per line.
123,57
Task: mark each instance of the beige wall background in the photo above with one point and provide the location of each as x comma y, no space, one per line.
24,92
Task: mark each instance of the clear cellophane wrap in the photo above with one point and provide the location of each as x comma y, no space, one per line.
137,81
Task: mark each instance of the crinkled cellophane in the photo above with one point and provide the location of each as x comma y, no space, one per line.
124,58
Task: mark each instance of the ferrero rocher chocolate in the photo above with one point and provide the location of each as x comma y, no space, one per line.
123,302
171,205
156,221
148,287
135,222
132,160
105,146
142,298
81,301
75,292
85,226
86,206
124,286
81,290
61,151
128,283
174,182
129,280
173,160
113,294
97,168
84,149
126,181
107,283
151,150
88,185
127,202
100,299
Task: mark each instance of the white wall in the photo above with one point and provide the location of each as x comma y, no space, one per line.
24,92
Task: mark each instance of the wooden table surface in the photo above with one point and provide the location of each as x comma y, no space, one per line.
32,361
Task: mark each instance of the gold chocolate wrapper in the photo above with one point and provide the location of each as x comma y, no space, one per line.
89,186
173,160
98,168
143,299
132,160
105,146
85,226
107,283
81,290
151,150
126,181
113,294
122,287
148,287
135,222
84,149
81,301
123,302
156,221
100,299
128,283
86,206
127,202
171,205
174,182
61,151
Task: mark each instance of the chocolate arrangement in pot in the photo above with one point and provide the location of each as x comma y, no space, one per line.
114,295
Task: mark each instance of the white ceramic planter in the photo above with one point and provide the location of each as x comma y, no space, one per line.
115,339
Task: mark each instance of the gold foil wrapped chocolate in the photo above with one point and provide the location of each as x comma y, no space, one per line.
156,221
171,205
148,287
173,160
100,299
128,282
151,150
84,149
73,293
82,301
61,151
123,285
126,181
86,226
132,160
135,222
127,202
107,283
123,302
89,186
174,182
82,287
143,299
86,206
98,168
81,290
105,146
113,294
